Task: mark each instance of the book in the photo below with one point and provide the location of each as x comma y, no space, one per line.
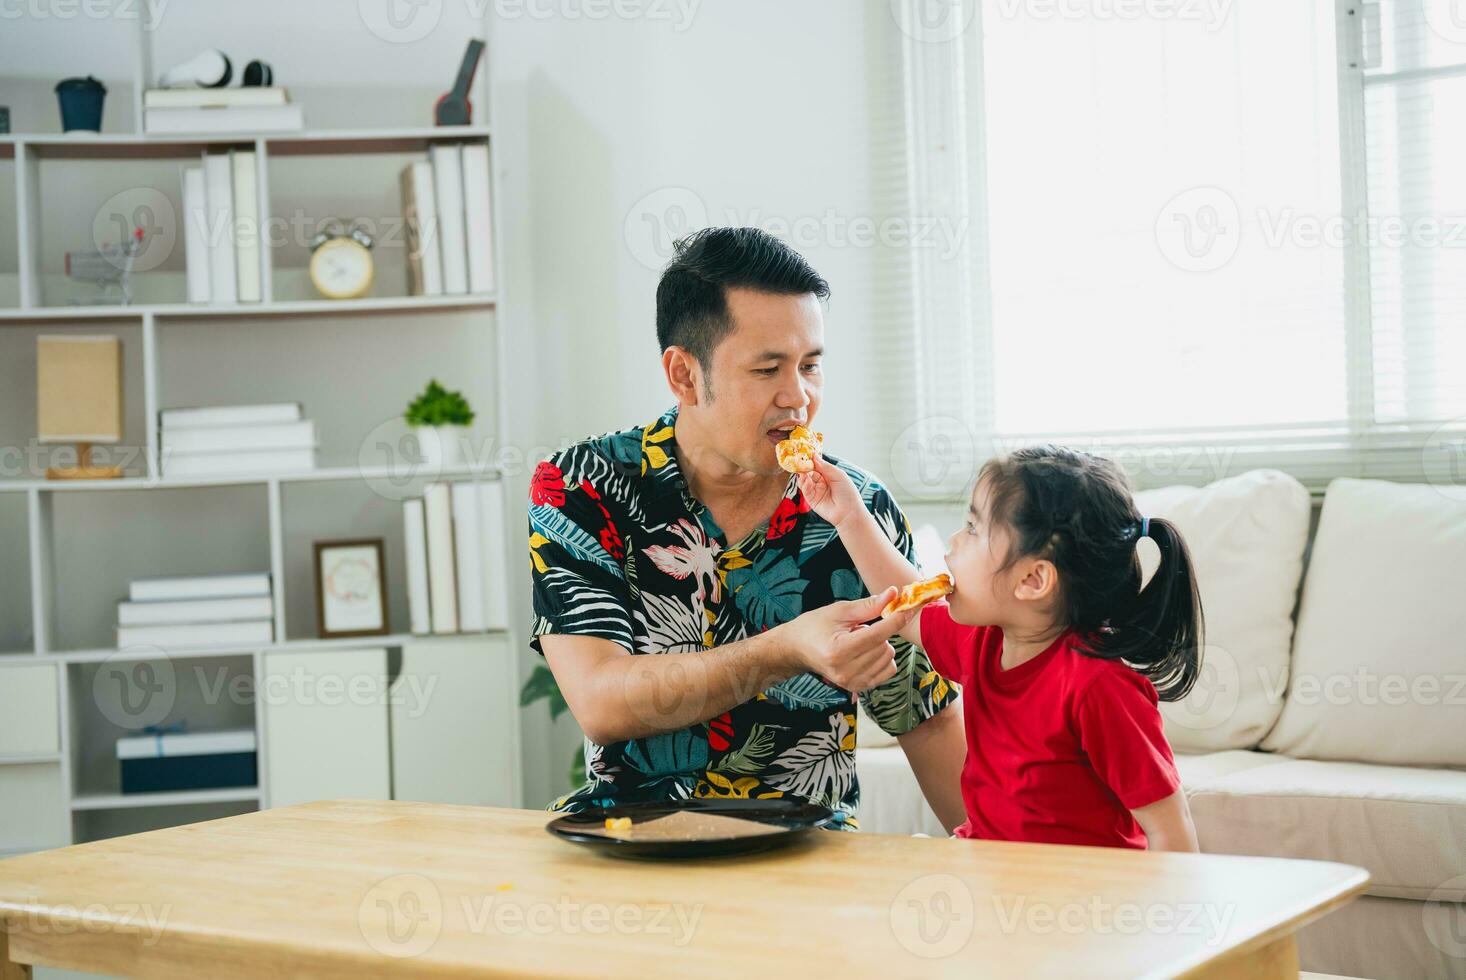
246,225
237,438
171,587
163,612
179,635
420,218
195,235
223,119
491,549
192,98
415,540
448,183
467,549
442,574
227,415
186,743
477,218
219,206
190,465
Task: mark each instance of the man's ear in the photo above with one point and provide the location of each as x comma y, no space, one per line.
684,374
1038,582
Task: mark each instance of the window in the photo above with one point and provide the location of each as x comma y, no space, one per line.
1412,72
1203,236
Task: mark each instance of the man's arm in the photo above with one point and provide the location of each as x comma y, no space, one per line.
937,750
615,696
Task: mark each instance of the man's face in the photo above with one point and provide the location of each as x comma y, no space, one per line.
766,376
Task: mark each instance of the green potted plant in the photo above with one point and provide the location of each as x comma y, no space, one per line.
440,419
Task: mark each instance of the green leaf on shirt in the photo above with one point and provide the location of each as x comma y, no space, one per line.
769,593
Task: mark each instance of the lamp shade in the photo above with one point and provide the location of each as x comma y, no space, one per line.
79,389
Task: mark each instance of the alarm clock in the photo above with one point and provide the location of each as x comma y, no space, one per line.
341,261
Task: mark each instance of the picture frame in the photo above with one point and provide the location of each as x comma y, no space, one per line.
351,588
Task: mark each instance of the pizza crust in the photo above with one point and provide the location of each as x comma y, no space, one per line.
918,594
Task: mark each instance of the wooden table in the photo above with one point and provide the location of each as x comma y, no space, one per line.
351,889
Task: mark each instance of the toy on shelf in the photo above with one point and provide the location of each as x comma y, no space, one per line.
109,267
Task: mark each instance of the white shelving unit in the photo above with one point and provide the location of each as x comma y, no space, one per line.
58,787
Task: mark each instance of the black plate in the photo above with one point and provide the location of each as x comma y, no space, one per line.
793,818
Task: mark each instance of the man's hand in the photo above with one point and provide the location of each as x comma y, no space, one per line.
834,642
830,493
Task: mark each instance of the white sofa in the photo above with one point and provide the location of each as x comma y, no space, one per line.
1329,722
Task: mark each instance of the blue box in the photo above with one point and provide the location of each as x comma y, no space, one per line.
188,760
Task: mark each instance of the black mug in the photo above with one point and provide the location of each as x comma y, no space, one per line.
81,103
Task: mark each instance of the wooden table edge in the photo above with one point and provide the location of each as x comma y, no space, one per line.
1280,940
1275,944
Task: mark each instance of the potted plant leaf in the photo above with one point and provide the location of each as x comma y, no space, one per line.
541,686
440,420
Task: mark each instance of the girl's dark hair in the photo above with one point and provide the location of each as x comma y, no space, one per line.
1075,510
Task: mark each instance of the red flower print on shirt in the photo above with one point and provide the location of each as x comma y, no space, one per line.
611,541
548,485
720,732
609,536
786,516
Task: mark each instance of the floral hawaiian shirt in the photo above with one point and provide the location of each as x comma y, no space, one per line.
621,550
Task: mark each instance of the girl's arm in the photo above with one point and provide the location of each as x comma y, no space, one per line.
833,496
1167,824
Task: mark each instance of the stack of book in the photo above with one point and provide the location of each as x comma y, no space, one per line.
222,229
197,611
230,440
249,109
454,543
450,230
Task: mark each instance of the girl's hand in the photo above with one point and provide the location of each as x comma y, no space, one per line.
830,493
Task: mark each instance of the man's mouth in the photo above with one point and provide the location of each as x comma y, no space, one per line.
780,432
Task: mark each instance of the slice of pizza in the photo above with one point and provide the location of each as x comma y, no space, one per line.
797,453
918,594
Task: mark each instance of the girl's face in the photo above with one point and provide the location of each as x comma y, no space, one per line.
975,554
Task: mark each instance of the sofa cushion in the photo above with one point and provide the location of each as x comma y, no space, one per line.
1379,665
1199,770
1405,825
1246,535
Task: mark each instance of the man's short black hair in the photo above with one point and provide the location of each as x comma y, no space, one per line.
692,299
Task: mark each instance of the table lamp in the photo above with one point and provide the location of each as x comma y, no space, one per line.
79,399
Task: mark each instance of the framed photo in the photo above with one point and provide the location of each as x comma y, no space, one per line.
351,588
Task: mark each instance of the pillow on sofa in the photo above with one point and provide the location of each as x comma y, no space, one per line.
1379,669
1246,534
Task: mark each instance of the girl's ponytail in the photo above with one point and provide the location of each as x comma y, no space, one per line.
1160,633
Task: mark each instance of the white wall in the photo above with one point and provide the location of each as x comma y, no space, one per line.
757,109
736,111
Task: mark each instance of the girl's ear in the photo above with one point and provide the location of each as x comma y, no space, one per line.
1038,581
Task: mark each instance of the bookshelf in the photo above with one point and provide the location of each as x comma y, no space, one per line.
354,364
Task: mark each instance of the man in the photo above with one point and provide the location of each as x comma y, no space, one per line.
707,629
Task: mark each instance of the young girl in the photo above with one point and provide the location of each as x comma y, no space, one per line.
1059,651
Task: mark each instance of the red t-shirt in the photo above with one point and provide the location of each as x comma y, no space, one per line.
1061,748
